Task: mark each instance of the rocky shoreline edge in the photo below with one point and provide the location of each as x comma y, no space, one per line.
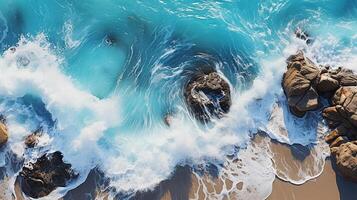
306,85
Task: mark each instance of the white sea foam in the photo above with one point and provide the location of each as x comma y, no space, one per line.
137,161
68,36
140,161
34,69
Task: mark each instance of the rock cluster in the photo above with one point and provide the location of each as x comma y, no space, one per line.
304,84
208,95
48,172
45,175
342,117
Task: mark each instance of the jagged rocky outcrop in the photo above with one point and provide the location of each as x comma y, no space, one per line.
342,116
299,84
42,177
4,135
305,84
343,111
208,94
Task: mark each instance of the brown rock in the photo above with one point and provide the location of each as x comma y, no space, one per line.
332,136
33,139
338,141
344,114
296,112
346,77
353,119
4,135
303,82
327,84
344,110
331,113
309,101
299,84
342,94
208,94
346,159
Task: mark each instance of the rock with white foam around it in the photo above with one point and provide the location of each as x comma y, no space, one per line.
45,175
32,140
305,83
208,95
299,84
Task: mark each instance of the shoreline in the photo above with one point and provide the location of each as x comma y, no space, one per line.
184,185
328,186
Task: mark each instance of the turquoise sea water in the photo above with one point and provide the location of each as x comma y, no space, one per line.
100,77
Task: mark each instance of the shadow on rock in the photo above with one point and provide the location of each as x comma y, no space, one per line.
42,177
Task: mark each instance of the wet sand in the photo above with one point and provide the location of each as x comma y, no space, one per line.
295,162
184,184
328,186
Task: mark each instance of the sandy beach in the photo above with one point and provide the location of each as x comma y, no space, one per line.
184,185
327,186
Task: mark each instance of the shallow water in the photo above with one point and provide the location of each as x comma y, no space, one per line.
100,77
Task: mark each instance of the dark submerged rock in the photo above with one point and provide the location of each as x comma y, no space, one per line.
207,95
168,120
42,177
111,39
303,35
